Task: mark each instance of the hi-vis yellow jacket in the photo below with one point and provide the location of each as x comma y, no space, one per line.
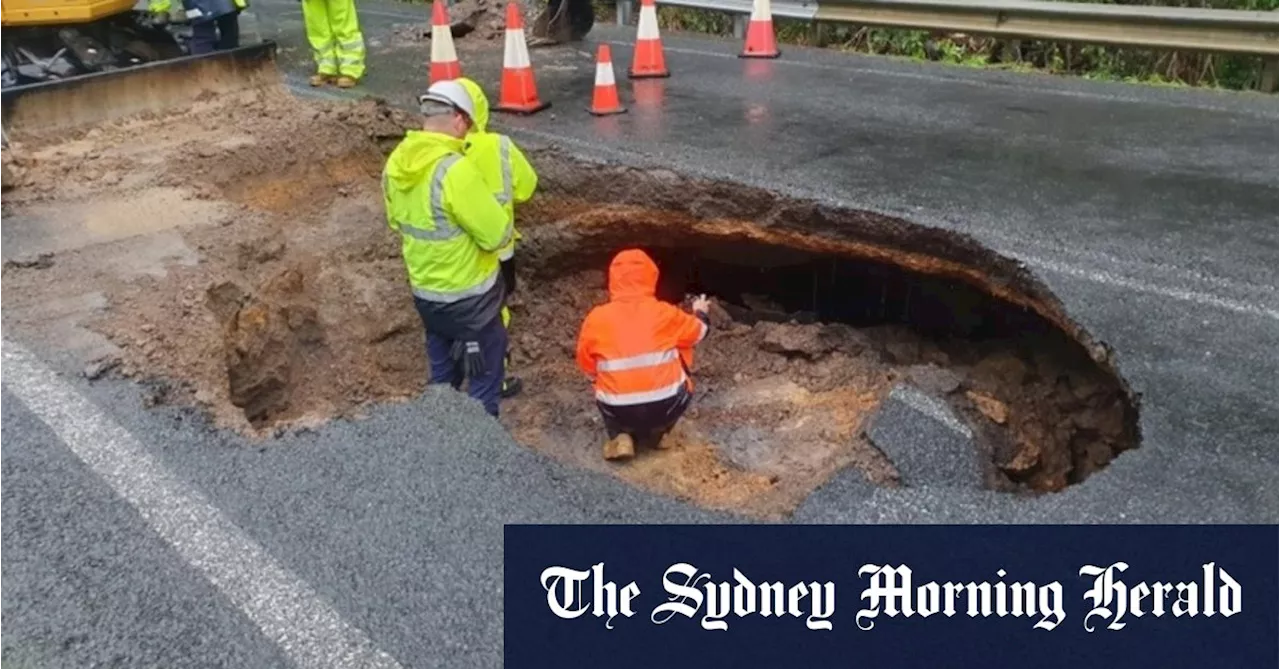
501,163
449,223
162,6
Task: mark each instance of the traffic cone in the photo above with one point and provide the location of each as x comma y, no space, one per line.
648,61
444,58
604,100
519,94
760,39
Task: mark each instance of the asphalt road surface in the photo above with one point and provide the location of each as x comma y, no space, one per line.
140,537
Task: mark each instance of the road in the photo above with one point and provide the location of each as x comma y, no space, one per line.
140,537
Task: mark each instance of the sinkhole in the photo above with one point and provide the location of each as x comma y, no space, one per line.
821,315
811,332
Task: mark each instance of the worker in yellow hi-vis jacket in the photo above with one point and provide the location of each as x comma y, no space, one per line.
159,10
509,175
336,42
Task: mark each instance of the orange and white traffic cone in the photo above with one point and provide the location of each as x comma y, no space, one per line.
760,38
519,93
444,58
648,60
604,100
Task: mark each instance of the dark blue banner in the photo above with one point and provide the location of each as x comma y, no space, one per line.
891,596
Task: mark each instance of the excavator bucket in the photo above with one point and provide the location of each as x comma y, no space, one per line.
156,87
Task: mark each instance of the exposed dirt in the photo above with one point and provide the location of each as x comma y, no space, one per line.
284,304
286,258
7,178
469,20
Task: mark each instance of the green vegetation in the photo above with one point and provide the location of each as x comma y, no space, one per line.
1170,68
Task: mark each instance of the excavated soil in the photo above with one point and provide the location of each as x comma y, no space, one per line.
469,20
278,302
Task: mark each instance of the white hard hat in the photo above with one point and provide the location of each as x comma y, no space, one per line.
450,93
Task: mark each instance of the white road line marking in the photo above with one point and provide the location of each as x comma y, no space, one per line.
1099,258
1116,280
283,606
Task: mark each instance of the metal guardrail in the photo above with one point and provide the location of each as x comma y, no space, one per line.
1214,30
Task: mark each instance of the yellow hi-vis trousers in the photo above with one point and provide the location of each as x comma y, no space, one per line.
334,33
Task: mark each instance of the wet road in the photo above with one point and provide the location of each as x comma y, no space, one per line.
1150,212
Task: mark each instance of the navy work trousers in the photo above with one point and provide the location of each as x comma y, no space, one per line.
445,369
220,34
645,422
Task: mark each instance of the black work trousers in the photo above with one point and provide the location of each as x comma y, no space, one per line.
645,422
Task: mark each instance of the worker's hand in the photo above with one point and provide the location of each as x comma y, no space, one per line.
701,304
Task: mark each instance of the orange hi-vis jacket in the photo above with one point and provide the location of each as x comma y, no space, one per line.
636,348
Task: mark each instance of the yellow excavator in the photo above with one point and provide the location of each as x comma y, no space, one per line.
69,63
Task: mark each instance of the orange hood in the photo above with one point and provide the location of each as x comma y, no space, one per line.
632,275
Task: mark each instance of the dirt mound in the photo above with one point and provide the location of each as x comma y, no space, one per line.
468,20
210,145
483,19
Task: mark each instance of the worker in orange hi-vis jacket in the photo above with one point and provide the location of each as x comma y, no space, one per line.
638,350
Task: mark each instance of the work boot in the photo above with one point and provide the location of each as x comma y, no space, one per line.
511,386
346,82
318,80
620,447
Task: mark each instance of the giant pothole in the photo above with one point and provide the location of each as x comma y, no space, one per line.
297,312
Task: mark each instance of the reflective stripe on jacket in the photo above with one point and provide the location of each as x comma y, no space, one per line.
502,164
637,348
450,225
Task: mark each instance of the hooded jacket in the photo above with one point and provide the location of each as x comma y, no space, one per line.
501,163
449,223
636,348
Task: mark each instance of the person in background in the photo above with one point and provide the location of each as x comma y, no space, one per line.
159,11
215,24
638,350
333,29
451,229
512,180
